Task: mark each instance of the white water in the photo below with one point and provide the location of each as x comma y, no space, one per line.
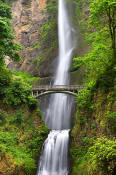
55,155
59,110
54,160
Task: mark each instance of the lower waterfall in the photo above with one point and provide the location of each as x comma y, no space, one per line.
54,160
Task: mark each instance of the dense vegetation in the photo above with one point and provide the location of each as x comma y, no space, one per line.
22,134
92,153
13,90
22,131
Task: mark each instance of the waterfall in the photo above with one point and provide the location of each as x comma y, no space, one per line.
58,112
54,160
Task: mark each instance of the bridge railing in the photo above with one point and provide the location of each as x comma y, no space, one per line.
46,87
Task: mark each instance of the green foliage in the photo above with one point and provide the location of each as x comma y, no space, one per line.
94,156
5,11
16,93
99,8
79,157
25,76
22,139
16,88
85,105
84,97
96,61
102,156
37,61
3,117
32,103
104,10
18,118
8,2
82,150
37,140
39,113
5,79
9,144
44,131
99,62
98,156
47,32
7,46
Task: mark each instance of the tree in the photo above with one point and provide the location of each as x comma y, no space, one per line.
7,45
103,14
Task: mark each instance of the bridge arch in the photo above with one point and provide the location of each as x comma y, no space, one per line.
54,92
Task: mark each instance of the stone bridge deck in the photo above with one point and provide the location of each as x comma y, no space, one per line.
48,89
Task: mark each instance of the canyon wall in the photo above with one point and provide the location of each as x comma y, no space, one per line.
28,17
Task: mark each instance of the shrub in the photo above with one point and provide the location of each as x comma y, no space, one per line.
102,156
81,120
24,76
18,118
22,140
84,98
39,113
5,79
86,141
3,117
32,103
9,144
17,93
44,131
85,103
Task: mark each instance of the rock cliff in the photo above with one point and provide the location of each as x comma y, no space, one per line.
28,17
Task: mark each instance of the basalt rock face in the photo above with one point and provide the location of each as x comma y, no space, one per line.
28,17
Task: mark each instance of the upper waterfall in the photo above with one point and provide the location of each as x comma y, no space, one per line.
66,45
59,110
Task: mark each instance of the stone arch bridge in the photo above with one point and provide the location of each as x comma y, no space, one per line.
48,89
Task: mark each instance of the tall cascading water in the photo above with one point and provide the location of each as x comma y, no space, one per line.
57,115
54,160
